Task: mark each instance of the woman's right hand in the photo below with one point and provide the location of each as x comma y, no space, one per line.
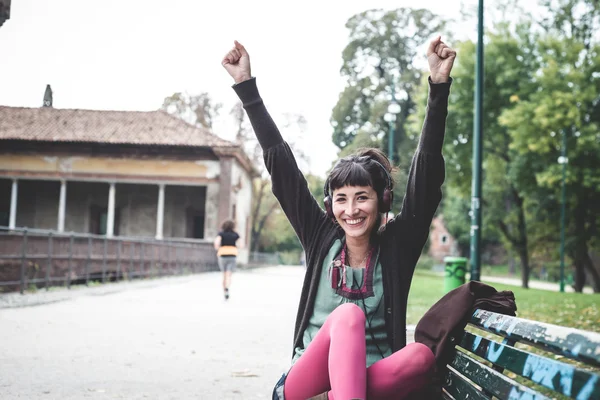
237,63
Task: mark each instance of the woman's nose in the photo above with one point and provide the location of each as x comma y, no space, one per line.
352,209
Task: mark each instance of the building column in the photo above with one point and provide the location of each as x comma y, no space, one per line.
62,205
211,210
12,220
225,176
160,211
110,217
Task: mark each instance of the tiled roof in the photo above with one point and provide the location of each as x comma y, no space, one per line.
111,127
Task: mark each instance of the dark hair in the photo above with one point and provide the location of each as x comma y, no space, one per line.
228,225
362,169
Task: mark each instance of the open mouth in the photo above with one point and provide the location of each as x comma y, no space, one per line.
354,222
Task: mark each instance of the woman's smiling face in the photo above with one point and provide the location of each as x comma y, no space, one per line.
355,209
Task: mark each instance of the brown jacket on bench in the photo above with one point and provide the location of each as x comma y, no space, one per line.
442,327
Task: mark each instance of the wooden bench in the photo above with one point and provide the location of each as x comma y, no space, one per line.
541,376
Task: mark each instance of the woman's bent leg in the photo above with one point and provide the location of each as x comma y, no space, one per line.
334,360
403,372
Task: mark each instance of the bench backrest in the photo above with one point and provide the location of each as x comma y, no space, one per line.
542,373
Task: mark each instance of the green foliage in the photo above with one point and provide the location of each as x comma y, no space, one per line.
540,80
566,102
380,54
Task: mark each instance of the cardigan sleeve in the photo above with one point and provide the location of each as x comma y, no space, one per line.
426,175
288,183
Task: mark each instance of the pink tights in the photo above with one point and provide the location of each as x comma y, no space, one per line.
335,361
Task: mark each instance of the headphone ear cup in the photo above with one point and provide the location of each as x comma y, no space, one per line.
328,208
386,200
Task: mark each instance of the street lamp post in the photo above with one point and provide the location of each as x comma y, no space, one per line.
477,149
392,111
563,160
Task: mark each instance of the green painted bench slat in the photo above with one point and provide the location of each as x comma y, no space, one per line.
461,389
572,343
446,396
555,375
493,382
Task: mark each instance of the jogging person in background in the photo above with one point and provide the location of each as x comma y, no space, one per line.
227,253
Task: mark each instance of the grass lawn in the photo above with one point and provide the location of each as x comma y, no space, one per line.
567,309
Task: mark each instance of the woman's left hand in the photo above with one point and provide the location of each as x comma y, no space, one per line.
441,59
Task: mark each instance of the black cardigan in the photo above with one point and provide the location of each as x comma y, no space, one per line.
402,240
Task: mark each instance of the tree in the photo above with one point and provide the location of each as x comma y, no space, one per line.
199,110
508,67
381,51
568,105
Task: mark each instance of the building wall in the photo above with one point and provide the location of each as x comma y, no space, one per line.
94,166
180,203
137,205
242,199
37,204
81,196
441,243
5,191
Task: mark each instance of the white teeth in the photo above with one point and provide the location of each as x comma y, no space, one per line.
354,221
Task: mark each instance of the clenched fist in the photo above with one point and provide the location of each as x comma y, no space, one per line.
441,59
237,63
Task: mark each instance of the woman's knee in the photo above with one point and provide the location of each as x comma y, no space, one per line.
420,357
349,315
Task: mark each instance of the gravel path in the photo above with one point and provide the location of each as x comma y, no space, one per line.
170,338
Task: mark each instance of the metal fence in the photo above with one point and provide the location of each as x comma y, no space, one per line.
45,258
256,258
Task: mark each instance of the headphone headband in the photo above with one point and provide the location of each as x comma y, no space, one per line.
385,171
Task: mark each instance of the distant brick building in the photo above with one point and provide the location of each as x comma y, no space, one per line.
120,174
441,243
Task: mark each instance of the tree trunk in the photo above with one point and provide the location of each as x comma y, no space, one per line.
579,275
580,246
522,248
257,230
524,257
593,272
518,240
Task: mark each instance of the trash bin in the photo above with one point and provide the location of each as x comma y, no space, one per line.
456,268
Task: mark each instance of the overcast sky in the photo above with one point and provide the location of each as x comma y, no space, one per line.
131,54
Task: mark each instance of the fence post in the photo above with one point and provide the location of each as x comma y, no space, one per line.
142,250
49,260
152,260
104,260
169,257
119,243
23,260
131,255
88,261
71,239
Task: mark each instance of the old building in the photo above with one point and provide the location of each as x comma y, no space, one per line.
120,174
441,242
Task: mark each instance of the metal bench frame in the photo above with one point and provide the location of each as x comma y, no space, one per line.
469,378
